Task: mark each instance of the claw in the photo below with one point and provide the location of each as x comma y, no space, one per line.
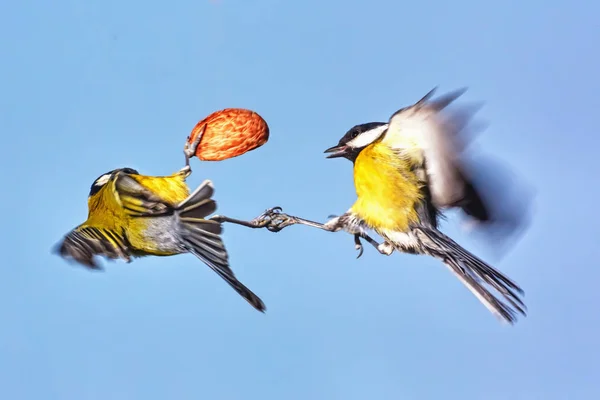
357,245
267,215
279,222
273,219
189,150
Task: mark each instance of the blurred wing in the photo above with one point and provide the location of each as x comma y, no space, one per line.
85,242
421,133
137,200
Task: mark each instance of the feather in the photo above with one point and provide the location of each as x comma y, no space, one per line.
85,242
473,272
427,137
130,214
201,238
137,200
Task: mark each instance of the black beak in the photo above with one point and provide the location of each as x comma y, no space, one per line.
337,151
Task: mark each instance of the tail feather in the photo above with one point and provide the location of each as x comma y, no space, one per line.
211,250
495,306
200,209
203,192
201,237
202,225
472,271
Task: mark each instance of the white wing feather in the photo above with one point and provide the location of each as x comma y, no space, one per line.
422,133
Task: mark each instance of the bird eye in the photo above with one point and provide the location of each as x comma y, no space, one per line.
354,134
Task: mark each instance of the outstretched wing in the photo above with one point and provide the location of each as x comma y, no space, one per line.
85,242
424,135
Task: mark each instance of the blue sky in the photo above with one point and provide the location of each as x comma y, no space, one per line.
88,87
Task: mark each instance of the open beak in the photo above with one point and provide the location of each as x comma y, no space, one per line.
337,151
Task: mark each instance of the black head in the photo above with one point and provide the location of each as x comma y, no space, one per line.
106,177
356,139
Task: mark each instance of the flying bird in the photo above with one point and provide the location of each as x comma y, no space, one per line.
407,171
133,215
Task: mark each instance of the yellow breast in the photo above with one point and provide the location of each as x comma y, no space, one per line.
386,187
105,211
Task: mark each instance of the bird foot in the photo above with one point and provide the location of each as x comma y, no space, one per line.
385,248
274,220
185,171
189,150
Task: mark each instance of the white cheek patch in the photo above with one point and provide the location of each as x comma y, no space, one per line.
103,180
368,137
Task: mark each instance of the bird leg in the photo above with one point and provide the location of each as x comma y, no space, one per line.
189,150
358,245
274,220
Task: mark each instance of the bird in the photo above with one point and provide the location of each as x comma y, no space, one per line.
407,172
133,215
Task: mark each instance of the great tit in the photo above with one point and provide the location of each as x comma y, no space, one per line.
133,215
406,172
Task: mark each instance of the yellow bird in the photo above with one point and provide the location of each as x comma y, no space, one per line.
406,172
133,215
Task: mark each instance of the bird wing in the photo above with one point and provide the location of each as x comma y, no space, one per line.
86,241
136,200
422,134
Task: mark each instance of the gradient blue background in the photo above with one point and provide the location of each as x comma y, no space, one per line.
88,87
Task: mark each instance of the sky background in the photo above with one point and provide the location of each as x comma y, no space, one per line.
87,87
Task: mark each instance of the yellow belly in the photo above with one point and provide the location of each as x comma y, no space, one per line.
387,189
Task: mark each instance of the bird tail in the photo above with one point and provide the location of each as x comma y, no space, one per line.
473,273
202,238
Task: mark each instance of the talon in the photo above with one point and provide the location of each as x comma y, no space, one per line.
360,249
274,220
189,150
280,222
267,215
267,220
358,246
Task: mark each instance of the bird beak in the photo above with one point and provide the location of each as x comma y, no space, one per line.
337,151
